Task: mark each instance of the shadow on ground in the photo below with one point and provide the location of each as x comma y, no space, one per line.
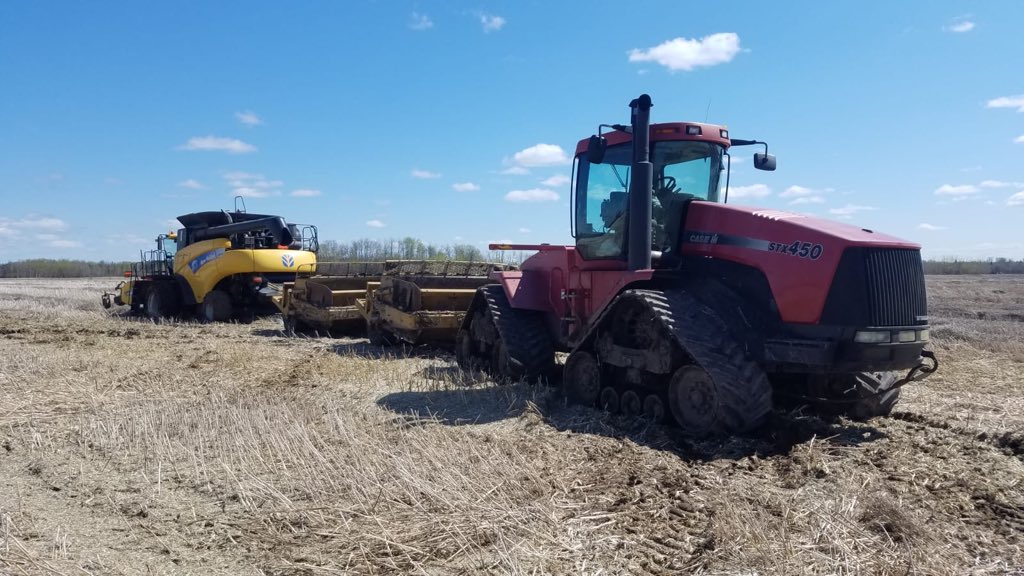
482,404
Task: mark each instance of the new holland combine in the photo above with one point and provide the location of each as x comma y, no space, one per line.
674,304
217,265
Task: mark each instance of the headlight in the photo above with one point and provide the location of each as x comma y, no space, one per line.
872,337
907,335
923,335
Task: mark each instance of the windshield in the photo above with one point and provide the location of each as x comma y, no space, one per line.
683,170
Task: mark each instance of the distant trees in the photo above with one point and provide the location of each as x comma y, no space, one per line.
43,268
362,250
990,266
408,248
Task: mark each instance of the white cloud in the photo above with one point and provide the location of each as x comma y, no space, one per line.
248,118
960,26
796,192
532,195
1000,184
541,155
524,230
374,223
420,22
250,192
191,184
516,171
752,191
491,23
929,227
951,190
465,187
687,54
850,210
1008,102
216,143
1016,200
1019,139
65,243
305,193
250,185
424,174
808,200
33,223
555,181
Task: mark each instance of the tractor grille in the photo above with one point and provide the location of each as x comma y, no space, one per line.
877,287
895,283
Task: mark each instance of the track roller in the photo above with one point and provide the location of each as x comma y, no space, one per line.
581,378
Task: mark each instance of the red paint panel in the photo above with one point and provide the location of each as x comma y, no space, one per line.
667,131
800,285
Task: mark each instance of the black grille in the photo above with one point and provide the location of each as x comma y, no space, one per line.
896,293
877,287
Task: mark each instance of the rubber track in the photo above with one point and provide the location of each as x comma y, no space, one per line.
744,391
527,341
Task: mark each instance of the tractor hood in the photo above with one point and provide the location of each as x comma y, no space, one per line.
774,225
797,254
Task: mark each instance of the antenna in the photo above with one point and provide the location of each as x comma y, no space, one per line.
708,112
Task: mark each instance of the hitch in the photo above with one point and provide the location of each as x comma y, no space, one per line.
925,368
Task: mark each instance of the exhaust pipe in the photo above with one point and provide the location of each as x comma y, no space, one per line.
641,187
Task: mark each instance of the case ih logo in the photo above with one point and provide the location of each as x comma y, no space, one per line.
288,260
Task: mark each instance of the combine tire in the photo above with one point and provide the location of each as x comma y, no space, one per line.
216,307
161,301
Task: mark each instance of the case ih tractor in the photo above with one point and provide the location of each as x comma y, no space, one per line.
674,305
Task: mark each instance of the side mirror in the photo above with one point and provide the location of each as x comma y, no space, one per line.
764,162
596,148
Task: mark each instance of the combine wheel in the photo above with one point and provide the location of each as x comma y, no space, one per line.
582,378
631,404
609,400
161,301
216,307
654,408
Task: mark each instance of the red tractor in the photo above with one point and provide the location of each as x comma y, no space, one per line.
672,304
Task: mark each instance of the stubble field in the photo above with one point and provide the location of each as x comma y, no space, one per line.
128,447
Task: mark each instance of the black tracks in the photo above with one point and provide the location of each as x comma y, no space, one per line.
530,350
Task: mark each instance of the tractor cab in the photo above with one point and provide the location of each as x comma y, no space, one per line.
687,161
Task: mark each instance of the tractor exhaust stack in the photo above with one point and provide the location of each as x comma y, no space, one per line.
641,186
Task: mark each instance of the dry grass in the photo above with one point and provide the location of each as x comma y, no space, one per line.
130,447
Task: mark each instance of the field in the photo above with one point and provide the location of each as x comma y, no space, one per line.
128,447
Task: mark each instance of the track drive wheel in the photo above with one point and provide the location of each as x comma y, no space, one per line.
693,399
581,378
216,307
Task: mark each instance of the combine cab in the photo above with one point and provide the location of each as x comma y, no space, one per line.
676,305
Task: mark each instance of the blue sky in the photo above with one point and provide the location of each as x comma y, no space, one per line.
453,121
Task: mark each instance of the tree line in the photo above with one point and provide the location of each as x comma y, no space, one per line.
362,250
369,250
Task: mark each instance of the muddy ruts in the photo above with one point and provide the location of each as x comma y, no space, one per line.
742,394
506,342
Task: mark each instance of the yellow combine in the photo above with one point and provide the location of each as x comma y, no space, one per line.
218,265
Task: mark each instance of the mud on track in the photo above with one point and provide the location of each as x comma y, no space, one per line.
129,447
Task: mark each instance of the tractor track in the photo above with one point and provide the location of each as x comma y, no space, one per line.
523,333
